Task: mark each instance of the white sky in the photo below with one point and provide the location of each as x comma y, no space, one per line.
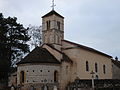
94,23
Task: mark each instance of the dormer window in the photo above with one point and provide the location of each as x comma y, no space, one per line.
48,24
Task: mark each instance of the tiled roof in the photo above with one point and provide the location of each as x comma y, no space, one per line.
66,58
50,45
52,13
39,55
116,62
87,48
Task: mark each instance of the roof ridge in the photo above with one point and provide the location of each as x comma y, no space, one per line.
54,48
38,55
51,13
88,48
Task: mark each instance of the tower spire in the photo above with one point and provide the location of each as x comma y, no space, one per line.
53,4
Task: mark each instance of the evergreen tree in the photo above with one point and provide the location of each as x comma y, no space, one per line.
13,38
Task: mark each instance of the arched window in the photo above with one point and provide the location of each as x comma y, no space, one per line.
96,67
58,25
104,69
56,76
66,69
22,77
48,24
87,66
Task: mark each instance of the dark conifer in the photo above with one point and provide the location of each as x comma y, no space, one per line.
13,38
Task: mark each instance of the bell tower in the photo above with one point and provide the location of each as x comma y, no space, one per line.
53,28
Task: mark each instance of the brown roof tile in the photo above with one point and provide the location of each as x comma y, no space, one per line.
52,13
39,55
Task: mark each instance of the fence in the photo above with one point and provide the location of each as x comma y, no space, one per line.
100,84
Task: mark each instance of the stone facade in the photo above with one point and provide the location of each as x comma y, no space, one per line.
37,74
13,79
116,69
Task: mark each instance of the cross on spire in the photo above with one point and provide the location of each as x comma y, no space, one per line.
53,5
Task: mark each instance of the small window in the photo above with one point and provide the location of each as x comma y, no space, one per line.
56,76
41,70
87,66
48,24
15,80
45,80
104,69
96,67
33,70
48,71
58,25
66,69
22,77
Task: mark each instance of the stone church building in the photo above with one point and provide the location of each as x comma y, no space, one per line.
59,62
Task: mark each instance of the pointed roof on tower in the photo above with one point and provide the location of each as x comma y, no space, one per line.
53,12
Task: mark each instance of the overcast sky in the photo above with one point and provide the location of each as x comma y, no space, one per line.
93,23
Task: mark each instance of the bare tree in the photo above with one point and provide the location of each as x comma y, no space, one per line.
36,35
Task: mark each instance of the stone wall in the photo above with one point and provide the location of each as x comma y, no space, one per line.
53,35
116,71
37,74
12,79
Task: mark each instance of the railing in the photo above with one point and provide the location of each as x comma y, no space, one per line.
100,84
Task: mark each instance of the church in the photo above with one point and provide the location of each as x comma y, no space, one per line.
59,62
